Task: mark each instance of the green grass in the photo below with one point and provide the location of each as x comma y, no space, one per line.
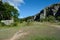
37,31
7,32
41,38
41,31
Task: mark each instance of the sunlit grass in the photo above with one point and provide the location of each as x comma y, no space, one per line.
37,31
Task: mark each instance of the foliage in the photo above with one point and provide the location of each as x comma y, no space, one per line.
8,11
41,20
28,22
30,18
58,18
51,19
13,12
14,24
2,8
2,24
48,19
21,20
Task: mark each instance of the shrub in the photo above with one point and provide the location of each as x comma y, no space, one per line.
51,19
58,18
48,19
15,24
2,24
41,20
29,22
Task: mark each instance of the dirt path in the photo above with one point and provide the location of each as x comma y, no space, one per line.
19,34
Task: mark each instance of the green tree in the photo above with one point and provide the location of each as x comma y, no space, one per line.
2,9
10,11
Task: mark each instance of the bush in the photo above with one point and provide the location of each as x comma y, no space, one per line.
41,20
28,22
48,19
58,18
2,24
51,19
15,24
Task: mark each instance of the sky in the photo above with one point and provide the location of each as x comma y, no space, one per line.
30,7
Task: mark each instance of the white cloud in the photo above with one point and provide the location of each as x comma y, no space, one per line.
19,1
15,3
16,6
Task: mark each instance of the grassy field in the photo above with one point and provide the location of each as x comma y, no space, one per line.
36,31
7,32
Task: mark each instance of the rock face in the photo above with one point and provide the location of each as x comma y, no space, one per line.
53,10
37,17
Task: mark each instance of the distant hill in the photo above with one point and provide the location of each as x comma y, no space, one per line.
52,10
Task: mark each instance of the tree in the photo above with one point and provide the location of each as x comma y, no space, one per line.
10,11
1,6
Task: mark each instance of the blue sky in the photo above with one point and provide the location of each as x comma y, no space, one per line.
30,7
